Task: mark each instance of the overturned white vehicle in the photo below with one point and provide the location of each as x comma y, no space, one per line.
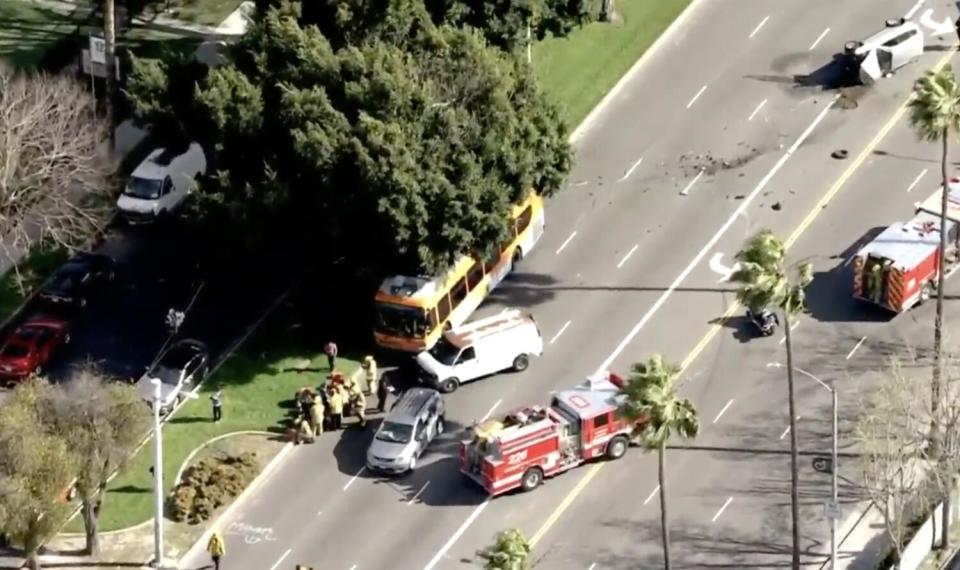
898,44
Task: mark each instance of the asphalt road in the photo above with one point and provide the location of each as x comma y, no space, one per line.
623,271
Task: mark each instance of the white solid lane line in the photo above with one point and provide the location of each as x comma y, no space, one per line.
626,257
560,332
490,411
697,96
354,567
712,242
792,328
692,182
281,559
631,169
757,110
723,508
916,180
820,37
652,494
592,566
567,241
716,419
354,478
414,498
914,9
443,551
760,25
849,354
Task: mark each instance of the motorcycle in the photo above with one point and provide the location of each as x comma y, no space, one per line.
765,320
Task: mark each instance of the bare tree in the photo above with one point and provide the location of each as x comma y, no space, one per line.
102,423
892,432
53,172
36,470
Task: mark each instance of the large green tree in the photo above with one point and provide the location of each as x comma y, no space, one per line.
935,117
36,468
765,281
651,400
395,153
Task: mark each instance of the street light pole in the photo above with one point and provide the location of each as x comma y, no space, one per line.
157,476
834,522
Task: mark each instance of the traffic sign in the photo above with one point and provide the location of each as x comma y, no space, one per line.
98,50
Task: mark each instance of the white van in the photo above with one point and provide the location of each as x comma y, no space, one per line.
161,183
483,347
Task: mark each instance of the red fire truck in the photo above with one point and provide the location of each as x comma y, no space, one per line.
898,269
525,446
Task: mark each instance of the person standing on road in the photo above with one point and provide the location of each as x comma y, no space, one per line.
370,371
359,404
383,389
216,548
330,349
216,400
316,416
336,407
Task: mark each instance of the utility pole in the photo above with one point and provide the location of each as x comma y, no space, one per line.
157,476
110,53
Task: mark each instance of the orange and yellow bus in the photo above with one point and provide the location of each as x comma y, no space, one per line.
412,312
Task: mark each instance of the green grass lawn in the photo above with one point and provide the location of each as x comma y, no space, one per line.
258,389
28,30
206,12
34,270
577,71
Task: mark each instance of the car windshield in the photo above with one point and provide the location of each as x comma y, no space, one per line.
67,278
178,357
444,352
395,433
146,188
15,351
396,320
166,375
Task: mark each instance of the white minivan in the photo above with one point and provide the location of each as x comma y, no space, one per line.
161,183
487,346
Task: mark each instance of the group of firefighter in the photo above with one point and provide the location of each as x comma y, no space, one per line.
324,408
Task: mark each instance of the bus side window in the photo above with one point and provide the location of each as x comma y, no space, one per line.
489,263
475,275
458,292
443,309
523,221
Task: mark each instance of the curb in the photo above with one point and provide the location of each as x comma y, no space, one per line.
587,121
201,542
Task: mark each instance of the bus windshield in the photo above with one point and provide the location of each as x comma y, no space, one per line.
397,320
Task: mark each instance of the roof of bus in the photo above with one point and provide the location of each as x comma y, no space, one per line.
907,244
423,290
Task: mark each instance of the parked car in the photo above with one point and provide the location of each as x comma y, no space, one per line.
402,437
160,184
181,366
504,341
77,280
886,51
29,347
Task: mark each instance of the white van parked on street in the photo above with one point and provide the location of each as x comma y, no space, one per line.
161,183
483,347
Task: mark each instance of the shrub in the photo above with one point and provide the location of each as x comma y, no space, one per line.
209,484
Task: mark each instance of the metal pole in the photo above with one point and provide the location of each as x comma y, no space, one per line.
835,467
157,477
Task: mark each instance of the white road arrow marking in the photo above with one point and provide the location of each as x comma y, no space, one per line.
936,28
717,266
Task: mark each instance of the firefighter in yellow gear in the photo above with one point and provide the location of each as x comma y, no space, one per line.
359,404
335,399
370,374
316,416
216,549
875,283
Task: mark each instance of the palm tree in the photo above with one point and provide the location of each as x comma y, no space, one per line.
764,282
509,551
652,401
934,115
